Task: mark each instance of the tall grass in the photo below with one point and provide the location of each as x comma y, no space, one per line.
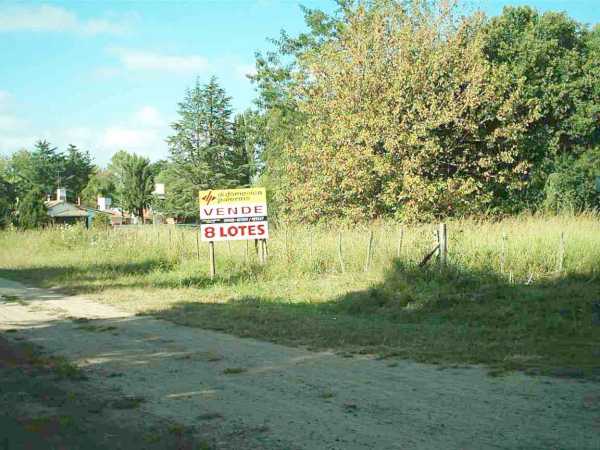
521,249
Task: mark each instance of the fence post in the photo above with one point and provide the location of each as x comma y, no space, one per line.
369,251
211,258
399,247
443,244
340,252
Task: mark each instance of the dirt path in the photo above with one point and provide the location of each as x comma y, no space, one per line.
241,393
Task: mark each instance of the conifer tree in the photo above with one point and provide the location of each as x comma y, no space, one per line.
202,150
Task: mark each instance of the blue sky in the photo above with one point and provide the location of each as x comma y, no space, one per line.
107,75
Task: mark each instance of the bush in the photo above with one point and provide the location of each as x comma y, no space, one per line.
101,221
574,186
31,211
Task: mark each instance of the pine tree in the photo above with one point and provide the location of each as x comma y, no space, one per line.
78,169
247,146
31,211
40,168
201,145
202,151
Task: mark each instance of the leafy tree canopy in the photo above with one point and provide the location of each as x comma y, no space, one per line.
138,184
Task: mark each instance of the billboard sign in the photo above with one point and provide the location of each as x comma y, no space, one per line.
233,214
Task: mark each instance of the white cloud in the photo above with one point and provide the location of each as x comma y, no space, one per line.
143,132
10,123
149,116
127,138
56,19
151,61
4,97
13,130
245,70
102,26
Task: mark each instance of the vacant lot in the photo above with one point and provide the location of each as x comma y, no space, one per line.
522,293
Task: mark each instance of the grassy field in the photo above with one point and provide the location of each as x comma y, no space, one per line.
522,293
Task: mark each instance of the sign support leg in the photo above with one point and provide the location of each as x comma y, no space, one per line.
211,257
262,250
265,251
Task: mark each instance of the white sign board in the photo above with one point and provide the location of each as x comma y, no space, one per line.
233,214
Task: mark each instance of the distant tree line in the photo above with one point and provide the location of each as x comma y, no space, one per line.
209,148
405,109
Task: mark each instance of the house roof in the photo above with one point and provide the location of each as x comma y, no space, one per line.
59,208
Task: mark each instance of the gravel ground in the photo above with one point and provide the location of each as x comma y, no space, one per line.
241,393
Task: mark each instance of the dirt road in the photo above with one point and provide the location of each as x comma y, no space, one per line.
241,393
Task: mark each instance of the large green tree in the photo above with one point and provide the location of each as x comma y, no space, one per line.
7,201
416,110
559,60
31,211
280,121
77,170
100,184
138,184
41,168
202,151
247,146
116,170
402,116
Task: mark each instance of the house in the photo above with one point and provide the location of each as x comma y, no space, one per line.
63,212
117,216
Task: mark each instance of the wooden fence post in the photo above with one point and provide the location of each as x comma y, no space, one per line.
443,244
211,260
399,247
369,251
340,256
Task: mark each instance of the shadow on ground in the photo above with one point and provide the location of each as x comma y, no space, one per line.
47,403
450,317
446,316
156,273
